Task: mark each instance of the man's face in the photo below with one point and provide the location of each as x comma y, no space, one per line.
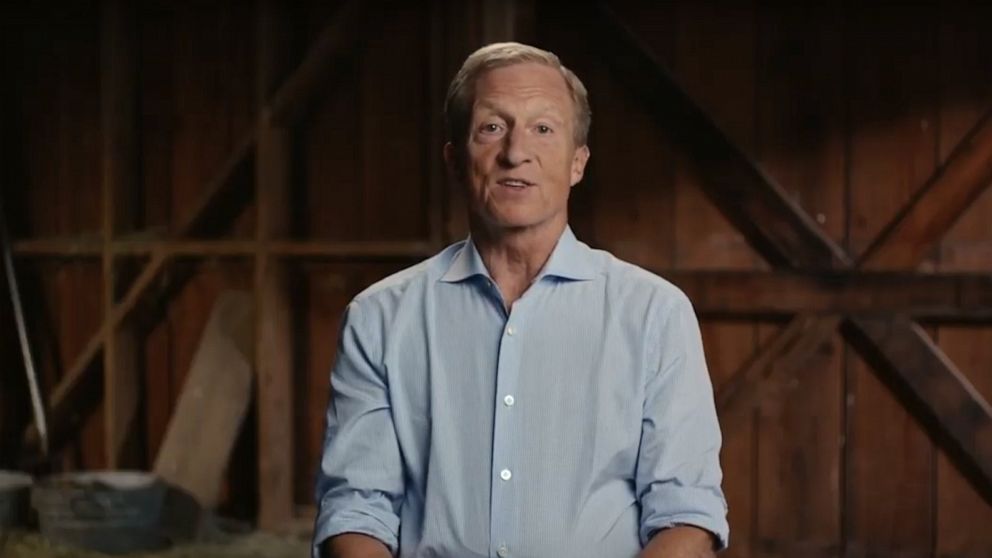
521,160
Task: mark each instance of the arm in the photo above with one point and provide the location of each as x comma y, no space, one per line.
360,482
680,542
678,468
354,545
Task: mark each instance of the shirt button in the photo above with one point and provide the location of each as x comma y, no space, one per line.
502,551
508,401
505,474
510,330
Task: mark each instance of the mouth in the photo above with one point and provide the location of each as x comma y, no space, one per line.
512,182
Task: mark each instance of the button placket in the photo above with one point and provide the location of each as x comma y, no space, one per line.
505,432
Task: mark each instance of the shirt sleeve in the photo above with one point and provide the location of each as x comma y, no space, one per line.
678,469
360,482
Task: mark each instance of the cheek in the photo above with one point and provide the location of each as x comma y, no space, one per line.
480,165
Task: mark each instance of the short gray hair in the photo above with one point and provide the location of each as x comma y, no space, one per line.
461,92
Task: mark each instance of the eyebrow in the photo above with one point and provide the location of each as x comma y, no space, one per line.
546,111
499,112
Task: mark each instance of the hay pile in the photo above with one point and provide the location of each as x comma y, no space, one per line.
250,545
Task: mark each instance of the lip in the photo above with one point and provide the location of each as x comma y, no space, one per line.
514,182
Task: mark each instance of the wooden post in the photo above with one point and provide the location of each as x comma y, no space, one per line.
120,180
273,356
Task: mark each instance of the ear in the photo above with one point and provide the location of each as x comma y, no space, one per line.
579,160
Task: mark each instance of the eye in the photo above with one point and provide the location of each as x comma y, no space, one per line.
490,128
543,129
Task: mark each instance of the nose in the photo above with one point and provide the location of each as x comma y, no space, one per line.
515,151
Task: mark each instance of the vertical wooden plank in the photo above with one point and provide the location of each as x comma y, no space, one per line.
714,53
800,115
626,202
70,41
889,459
965,54
273,356
394,173
331,150
327,295
333,163
118,90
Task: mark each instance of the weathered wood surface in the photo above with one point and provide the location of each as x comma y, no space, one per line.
220,202
121,154
213,403
273,346
889,499
961,514
757,206
798,103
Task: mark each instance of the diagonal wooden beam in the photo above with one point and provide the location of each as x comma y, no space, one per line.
934,389
77,393
925,218
928,215
786,236
771,222
338,42
936,206
75,396
746,388
79,387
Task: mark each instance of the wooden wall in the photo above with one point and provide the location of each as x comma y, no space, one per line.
849,107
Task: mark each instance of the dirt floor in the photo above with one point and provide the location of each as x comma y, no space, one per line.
251,545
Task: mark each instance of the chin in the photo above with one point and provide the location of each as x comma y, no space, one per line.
517,222
509,218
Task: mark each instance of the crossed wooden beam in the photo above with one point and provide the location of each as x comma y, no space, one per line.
77,392
942,398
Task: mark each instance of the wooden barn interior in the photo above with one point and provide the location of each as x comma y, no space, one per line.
194,191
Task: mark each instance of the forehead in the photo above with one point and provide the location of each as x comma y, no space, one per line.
528,81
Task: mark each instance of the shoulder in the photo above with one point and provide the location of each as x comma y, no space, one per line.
391,290
629,282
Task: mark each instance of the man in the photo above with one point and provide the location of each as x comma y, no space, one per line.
520,394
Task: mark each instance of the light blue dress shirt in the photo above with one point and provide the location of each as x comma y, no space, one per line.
575,425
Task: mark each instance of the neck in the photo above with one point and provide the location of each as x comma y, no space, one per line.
514,257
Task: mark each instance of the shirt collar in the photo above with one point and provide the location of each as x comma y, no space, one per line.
570,259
